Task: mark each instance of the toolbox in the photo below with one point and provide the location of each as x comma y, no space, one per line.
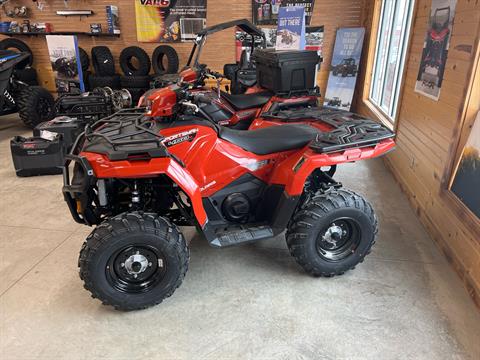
37,156
286,71
68,127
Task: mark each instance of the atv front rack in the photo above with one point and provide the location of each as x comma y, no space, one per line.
348,129
127,134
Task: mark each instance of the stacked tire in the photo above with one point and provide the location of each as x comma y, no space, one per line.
135,64
164,63
23,70
104,66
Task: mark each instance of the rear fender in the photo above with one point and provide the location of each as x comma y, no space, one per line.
103,168
294,171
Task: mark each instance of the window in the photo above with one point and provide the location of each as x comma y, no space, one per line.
392,38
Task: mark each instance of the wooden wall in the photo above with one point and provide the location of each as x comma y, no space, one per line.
427,139
220,48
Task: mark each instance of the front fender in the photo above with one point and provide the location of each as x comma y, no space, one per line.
104,168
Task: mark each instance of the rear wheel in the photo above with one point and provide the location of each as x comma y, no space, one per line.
134,260
332,232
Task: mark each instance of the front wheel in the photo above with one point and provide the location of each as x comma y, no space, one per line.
133,261
35,105
332,232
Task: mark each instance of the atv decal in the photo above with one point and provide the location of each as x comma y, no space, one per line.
180,137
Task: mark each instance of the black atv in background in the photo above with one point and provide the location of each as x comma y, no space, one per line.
33,103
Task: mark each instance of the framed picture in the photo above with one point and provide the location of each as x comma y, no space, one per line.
466,179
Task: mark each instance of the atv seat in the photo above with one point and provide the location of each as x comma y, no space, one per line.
247,101
271,139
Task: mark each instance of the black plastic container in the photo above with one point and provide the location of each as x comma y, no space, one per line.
286,71
36,156
69,129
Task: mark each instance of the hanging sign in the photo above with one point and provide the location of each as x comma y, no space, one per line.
435,48
291,28
66,64
169,20
266,12
344,69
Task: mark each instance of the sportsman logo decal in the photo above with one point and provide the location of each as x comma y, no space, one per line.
180,137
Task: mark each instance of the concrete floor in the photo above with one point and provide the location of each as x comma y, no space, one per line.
248,302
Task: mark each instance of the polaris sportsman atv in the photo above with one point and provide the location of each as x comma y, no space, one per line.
232,110
138,177
34,103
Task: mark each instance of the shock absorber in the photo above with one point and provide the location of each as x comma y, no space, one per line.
135,200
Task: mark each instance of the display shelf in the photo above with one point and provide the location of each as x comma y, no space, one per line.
59,33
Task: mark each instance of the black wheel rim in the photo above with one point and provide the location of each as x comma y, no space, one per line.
136,269
339,239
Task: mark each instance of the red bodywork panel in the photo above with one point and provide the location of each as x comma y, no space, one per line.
162,101
212,163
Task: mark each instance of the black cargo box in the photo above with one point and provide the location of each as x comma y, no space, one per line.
69,129
37,156
285,71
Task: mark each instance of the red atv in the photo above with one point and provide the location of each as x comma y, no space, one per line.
137,177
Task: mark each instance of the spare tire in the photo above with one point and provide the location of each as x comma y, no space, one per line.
143,65
19,45
95,81
35,105
139,82
84,59
172,60
103,62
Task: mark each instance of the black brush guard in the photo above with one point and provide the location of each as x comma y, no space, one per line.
125,135
349,130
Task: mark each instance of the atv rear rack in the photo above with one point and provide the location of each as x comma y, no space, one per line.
127,134
348,129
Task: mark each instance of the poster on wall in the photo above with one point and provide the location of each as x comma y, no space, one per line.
270,36
466,181
66,66
265,12
291,28
314,39
435,48
169,20
344,69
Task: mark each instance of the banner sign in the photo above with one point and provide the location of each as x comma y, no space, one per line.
435,48
66,65
467,177
344,69
265,12
169,20
291,29
314,39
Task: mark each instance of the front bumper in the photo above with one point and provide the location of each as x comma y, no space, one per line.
77,190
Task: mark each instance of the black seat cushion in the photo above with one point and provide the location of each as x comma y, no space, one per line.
247,101
271,139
